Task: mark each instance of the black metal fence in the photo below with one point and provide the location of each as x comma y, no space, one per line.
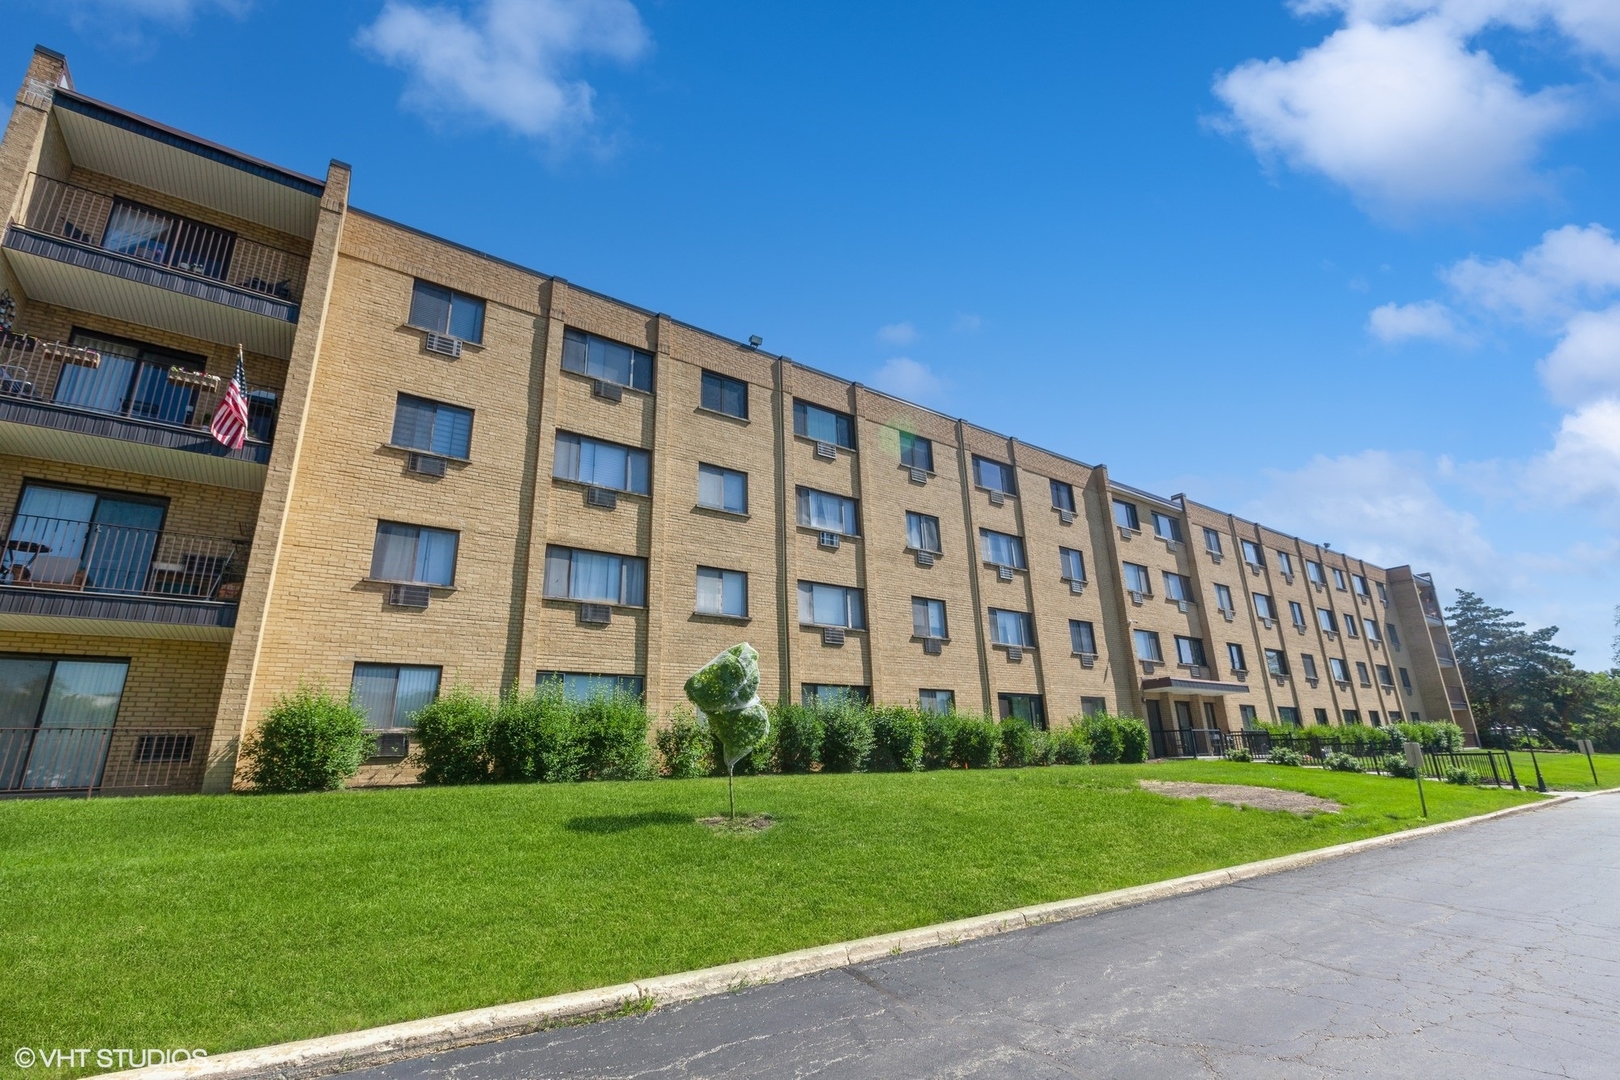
1491,766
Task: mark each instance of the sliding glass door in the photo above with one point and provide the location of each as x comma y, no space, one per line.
66,538
56,720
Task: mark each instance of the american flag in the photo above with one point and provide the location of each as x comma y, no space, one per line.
231,418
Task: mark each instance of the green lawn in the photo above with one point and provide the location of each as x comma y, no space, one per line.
1568,772
228,922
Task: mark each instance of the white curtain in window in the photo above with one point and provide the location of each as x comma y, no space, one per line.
1009,627
820,424
395,556
922,532
595,577
435,557
821,510
417,687
1074,564
1002,549
373,688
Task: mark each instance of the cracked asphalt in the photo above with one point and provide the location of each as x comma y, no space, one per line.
1489,952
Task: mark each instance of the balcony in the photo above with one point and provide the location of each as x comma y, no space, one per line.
66,576
84,250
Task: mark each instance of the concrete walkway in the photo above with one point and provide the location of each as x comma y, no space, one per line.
1494,951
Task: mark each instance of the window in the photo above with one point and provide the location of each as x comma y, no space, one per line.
1276,662
1093,706
1288,715
1395,716
831,694
420,424
1062,496
823,425
390,695
831,605
133,378
1012,628
1308,663
1372,629
1147,646
584,686
1073,564
828,512
1360,584
1383,598
1341,672
1285,564
49,695
1082,637
599,358
1417,717
1313,571
1325,619
928,618
1351,716
1338,579
1125,515
1296,612
937,701
993,475
1361,674
445,311
90,540
1166,527
1002,549
1137,580
1252,553
722,489
1212,541
1190,650
1234,657
723,394
1406,679
1372,717
1394,637
1178,587
1223,598
1350,626
922,532
586,460
722,592
595,577
1385,678
916,452
414,553
1026,707
1263,606
1251,718
1321,717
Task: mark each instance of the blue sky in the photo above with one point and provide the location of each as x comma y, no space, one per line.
1342,265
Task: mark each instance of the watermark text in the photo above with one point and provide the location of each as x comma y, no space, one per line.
103,1057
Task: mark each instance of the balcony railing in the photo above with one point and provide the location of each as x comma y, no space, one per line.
85,759
50,372
168,240
61,555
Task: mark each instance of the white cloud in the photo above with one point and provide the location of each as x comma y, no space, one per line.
1571,266
1586,361
1391,323
1583,465
900,333
1398,108
906,378
505,61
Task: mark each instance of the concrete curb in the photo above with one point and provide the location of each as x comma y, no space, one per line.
394,1042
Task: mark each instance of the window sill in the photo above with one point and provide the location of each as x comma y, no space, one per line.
581,485
819,627
593,378
842,449
423,584
398,449
811,530
604,603
1011,645
477,345
740,515
996,491
988,565
930,473
741,421
720,616
941,640
909,550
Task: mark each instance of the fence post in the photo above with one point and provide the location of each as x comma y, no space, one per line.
1541,785
1586,748
1414,758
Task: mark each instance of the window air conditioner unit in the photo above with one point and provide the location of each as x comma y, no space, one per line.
1198,671
408,596
1170,545
827,450
997,498
1215,557
424,464
1254,568
1066,516
829,540
832,635
607,391
393,744
933,646
1077,586
1319,585
1125,532
1313,682
1148,666
443,345
595,614
1282,680
1181,606
1228,614
1289,578
918,476
1136,598
1088,659
1267,622
1004,573
925,559
1331,634
1015,654
602,497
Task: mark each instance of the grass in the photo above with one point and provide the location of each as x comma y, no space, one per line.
1568,772
229,922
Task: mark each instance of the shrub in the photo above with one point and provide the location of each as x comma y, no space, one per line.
1071,745
975,742
1043,748
1117,739
1282,755
1605,735
1341,763
1015,744
1435,737
452,738
1396,766
798,738
899,738
311,740
683,746
1239,753
1463,777
536,736
846,734
939,739
612,731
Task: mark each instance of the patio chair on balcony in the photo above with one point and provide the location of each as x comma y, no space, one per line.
54,572
14,381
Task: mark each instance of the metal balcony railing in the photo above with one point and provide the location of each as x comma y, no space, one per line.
177,243
86,556
51,372
86,759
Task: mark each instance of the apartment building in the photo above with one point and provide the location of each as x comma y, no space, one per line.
457,470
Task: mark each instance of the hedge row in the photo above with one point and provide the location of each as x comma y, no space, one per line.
1435,737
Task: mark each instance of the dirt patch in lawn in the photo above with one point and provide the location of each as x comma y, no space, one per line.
1261,798
754,823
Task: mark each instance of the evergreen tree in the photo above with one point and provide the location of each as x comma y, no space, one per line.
1516,677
